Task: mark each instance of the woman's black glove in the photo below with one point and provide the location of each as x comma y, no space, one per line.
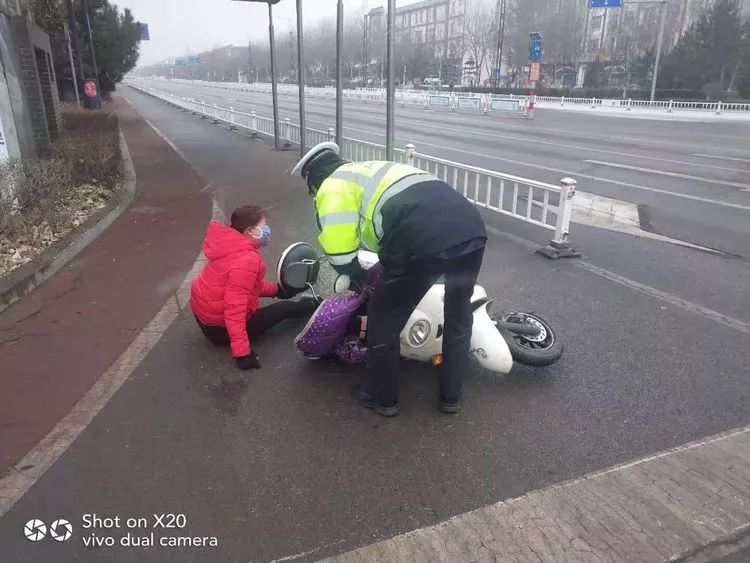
288,293
248,362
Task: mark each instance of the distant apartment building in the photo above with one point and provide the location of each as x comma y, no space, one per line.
29,102
431,27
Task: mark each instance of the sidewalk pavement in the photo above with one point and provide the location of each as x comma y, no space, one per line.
686,504
58,340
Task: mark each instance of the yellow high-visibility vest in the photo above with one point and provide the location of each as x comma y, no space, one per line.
349,202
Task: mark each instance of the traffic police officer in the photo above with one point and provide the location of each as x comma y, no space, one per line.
422,229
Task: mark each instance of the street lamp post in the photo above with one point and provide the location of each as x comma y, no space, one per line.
301,80
339,73
391,97
274,89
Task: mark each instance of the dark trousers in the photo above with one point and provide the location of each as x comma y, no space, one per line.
262,320
394,300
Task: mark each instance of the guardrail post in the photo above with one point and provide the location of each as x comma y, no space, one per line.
485,105
331,134
232,126
426,101
215,120
559,246
671,104
286,136
410,150
718,108
253,125
628,108
562,101
204,113
593,103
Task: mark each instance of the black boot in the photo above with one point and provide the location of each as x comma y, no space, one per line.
368,401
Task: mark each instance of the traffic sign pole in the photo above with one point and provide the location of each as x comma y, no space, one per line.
659,41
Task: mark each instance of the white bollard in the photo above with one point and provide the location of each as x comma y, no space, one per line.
718,108
253,124
232,126
628,108
215,120
410,150
331,134
562,101
286,137
593,103
671,104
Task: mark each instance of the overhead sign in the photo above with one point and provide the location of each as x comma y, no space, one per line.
606,3
144,32
535,47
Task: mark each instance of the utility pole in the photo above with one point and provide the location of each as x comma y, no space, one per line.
390,93
339,74
365,60
301,81
274,88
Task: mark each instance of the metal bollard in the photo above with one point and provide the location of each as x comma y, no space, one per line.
331,134
410,150
253,124
559,246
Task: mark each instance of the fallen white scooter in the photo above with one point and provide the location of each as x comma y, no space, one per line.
496,339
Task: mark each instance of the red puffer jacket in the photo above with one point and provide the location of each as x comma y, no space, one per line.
228,289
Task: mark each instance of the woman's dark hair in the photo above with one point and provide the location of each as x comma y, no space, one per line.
246,216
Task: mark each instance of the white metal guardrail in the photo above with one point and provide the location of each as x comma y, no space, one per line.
487,102
538,203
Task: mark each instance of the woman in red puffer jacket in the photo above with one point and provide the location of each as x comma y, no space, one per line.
225,297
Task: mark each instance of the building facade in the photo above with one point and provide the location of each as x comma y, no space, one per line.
29,102
429,29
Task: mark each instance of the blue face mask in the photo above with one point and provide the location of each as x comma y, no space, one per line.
265,236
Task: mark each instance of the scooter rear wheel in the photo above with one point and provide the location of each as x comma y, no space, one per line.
543,349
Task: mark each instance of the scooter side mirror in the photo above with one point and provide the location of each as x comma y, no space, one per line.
342,283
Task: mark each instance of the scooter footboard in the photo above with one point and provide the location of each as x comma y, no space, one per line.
487,344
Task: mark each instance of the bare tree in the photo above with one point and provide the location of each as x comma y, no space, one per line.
480,34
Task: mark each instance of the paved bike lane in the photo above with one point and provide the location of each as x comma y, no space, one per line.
280,462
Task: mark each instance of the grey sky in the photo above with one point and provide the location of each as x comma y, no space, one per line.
179,27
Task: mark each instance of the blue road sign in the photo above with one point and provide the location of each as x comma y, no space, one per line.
606,3
535,50
144,31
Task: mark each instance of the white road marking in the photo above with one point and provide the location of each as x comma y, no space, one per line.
520,139
705,312
732,158
671,174
18,481
580,175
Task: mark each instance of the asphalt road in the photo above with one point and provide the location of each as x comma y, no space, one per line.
282,463
623,158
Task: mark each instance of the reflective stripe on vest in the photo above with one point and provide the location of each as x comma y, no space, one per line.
374,189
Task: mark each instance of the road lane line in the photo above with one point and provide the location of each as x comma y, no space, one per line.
705,312
671,174
732,158
644,510
473,133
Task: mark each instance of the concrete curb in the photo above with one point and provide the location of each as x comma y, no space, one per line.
25,279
